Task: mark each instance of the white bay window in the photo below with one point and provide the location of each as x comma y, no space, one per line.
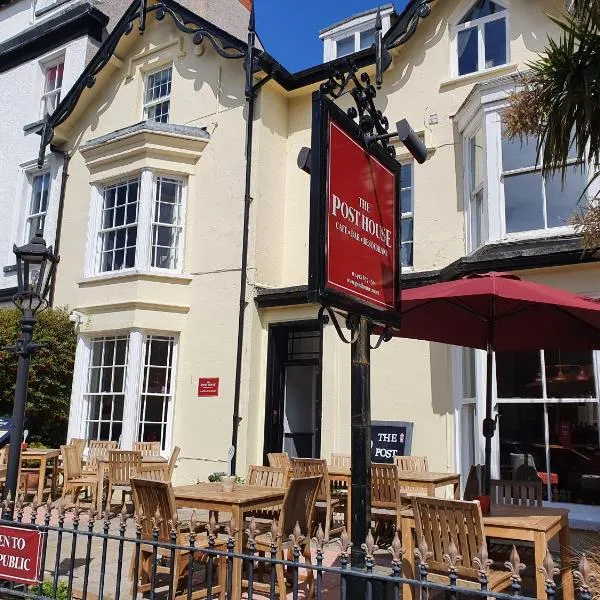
506,198
123,388
137,225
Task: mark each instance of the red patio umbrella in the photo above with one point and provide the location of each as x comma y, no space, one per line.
499,312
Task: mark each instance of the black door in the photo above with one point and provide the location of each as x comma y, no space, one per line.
293,401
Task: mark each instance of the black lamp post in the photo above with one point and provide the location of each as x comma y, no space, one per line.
35,268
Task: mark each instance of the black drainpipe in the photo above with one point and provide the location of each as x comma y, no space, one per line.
59,218
250,97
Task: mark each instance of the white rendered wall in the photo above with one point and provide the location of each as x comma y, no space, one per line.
20,89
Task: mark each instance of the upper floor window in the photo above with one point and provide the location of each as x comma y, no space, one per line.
38,205
140,225
354,42
531,201
53,80
157,95
481,38
407,220
475,183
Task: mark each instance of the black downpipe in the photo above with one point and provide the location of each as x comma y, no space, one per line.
59,218
250,98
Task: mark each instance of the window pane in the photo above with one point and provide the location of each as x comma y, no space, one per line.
407,229
467,51
405,176
345,46
156,391
482,8
569,374
519,374
367,38
562,201
495,43
523,202
406,254
468,373
476,156
517,153
476,220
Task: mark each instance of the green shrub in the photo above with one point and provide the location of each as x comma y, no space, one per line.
50,375
47,587
217,475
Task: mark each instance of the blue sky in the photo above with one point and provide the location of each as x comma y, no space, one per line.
289,29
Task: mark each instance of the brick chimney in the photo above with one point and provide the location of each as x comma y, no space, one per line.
246,3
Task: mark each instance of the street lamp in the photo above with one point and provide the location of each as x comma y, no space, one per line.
36,264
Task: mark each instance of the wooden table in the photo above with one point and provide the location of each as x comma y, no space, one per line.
243,499
430,481
103,468
407,479
43,455
529,524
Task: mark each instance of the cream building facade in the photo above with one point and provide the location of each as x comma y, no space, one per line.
153,228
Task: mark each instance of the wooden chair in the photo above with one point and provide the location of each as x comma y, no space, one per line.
173,461
147,448
74,479
516,493
325,505
97,450
297,509
279,460
122,466
268,477
385,499
148,497
341,460
80,444
443,522
412,463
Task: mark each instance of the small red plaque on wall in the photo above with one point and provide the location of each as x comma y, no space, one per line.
208,386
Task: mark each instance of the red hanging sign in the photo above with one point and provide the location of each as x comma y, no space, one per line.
354,255
20,554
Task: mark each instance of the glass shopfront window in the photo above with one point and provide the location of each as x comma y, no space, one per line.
548,422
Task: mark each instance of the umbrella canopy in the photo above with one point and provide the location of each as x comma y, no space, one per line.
499,312
502,310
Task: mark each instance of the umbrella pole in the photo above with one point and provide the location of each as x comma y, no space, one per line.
489,424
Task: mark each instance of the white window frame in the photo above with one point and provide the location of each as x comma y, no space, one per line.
29,216
408,214
470,193
147,105
485,111
133,385
145,221
46,65
480,24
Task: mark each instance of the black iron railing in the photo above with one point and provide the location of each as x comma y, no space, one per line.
85,556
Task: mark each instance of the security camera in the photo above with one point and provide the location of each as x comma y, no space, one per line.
76,317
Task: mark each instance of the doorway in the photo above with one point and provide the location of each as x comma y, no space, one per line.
293,401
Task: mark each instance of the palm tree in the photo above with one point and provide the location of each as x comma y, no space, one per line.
560,101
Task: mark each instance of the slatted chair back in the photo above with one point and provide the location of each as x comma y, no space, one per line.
441,522
147,448
298,505
341,460
98,450
267,476
152,498
122,466
412,463
79,443
384,485
314,467
279,460
516,493
173,461
71,462
4,455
